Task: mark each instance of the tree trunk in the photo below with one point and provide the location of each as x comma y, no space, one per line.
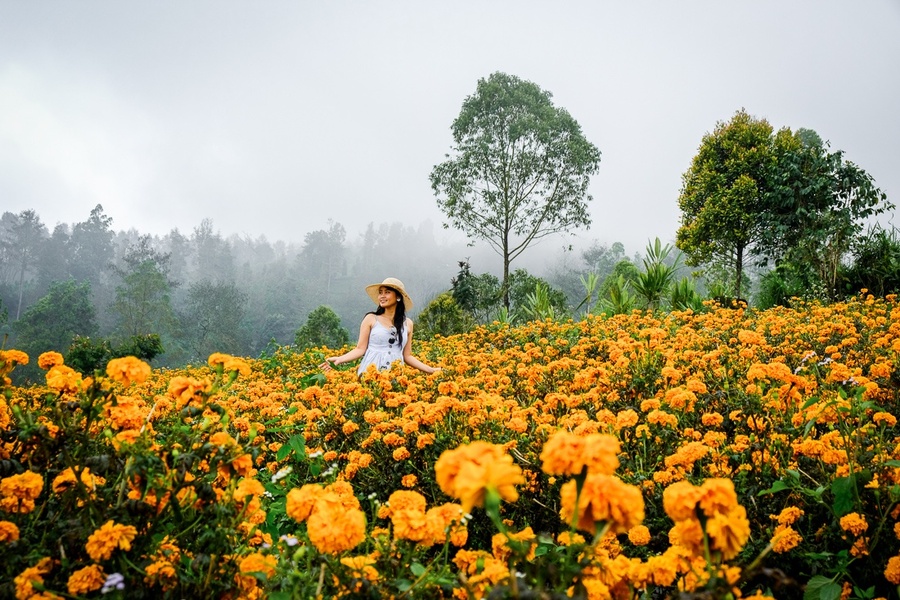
739,271
506,273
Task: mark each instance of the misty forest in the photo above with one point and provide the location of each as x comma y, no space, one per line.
766,216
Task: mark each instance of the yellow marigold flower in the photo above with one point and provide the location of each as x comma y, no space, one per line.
128,370
111,535
603,498
854,523
502,550
86,580
626,418
65,481
48,360
717,496
468,472
409,481
64,379
688,534
361,567
713,419
229,363
639,535
884,418
18,492
13,357
789,515
892,570
680,500
568,454
729,531
401,453
25,580
9,532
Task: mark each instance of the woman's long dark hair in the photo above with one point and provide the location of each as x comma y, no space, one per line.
399,313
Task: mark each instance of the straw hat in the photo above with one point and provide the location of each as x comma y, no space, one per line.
394,284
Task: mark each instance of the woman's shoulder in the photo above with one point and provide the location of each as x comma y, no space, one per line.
369,319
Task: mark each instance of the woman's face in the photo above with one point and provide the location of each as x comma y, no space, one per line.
386,297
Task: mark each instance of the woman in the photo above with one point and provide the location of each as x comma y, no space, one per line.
385,335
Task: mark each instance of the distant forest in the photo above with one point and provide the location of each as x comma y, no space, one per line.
201,292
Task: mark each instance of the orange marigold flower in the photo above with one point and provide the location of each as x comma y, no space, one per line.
333,527
680,500
111,535
502,548
409,481
411,524
229,363
568,454
639,535
258,563
25,580
128,370
48,360
18,492
65,481
729,531
789,515
184,389
403,500
86,580
449,518
717,496
854,523
603,498
64,379
13,357
884,418
300,502
9,532
892,570
401,453
468,472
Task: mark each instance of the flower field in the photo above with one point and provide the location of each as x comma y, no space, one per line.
721,454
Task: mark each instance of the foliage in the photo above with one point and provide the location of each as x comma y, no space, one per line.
322,328
715,454
214,318
519,171
145,347
782,197
54,321
479,295
722,197
875,263
444,317
87,355
143,299
654,283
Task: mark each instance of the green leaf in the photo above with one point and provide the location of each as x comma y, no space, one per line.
844,490
298,443
777,486
816,586
417,569
283,452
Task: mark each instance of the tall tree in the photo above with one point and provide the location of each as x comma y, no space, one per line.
143,297
54,320
92,248
21,239
214,319
721,198
752,192
519,171
322,260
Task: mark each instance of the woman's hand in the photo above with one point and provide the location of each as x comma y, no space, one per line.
327,363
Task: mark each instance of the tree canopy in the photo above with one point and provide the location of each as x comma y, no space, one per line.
776,196
519,168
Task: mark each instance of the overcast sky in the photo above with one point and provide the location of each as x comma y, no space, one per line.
273,117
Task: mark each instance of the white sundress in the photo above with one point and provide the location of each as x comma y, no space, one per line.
380,351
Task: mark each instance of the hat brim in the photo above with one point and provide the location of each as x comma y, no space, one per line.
372,291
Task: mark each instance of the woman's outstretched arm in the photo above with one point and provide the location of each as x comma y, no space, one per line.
362,343
411,360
